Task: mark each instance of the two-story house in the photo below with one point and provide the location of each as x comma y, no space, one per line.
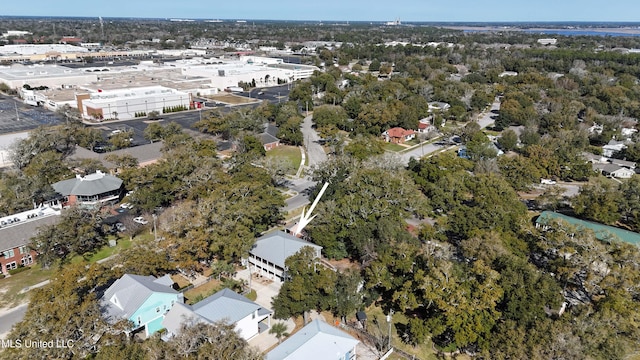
249,318
143,300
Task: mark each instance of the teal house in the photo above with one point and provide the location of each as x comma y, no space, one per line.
602,232
143,300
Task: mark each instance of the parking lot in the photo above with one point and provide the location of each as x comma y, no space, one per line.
16,116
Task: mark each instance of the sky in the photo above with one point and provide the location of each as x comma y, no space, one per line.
337,10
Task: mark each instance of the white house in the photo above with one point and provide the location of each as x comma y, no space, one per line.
268,254
316,341
612,170
249,318
612,147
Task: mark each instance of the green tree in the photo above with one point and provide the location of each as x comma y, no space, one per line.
363,147
79,231
599,201
629,206
508,140
279,329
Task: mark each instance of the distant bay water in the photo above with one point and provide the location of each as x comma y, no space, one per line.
566,32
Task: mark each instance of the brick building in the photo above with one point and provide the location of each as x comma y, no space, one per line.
16,232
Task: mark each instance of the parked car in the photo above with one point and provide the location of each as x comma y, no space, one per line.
140,220
120,227
126,205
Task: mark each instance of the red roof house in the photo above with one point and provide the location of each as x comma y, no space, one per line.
398,135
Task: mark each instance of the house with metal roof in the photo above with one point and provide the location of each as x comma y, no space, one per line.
602,232
143,300
90,190
268,254
249,318
316,341
16,232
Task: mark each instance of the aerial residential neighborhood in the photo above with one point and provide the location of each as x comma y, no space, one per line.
181,181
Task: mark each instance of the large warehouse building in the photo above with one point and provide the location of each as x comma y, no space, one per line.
126,103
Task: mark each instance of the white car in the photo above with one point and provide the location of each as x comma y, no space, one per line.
126,205
140,220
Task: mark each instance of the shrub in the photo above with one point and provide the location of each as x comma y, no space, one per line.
19,270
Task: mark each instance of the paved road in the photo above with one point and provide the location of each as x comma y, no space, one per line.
12,317
488,117
484,119
315,151
302,186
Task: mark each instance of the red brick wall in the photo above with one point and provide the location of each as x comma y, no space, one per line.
17,257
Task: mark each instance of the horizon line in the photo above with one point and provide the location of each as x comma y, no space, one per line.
339,21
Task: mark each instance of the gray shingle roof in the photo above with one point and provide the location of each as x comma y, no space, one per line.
317,340
20,234
608,168
92,184
131,291
278,246
267,138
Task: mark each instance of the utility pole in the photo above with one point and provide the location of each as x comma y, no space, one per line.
389,318
155,232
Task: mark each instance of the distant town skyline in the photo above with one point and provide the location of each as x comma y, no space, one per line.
333,10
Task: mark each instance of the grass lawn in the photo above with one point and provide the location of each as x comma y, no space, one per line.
180,280
11,286
412,142
291,154
253,295
193,295
106,251
393,147
424,352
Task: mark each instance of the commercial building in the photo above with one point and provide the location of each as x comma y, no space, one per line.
126,103
16,232
90,190
52,76
602,232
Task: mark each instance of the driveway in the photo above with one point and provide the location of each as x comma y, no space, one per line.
266,290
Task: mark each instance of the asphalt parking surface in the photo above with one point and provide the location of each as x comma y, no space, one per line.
27,117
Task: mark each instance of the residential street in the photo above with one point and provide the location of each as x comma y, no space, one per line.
315,151
12,316
484,119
